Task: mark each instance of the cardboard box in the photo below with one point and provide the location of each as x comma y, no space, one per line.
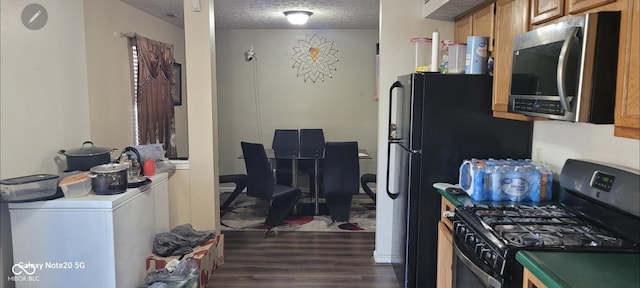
209,256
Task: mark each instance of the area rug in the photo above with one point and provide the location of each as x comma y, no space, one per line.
249,213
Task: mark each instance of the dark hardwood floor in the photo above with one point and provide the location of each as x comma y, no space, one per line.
301,259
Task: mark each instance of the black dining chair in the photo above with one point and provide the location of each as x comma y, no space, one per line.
240,180
340,179
260,184
365,180
285,141
311,143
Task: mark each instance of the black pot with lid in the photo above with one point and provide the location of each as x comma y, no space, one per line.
87,156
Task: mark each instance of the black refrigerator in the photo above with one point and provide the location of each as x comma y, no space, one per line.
435,122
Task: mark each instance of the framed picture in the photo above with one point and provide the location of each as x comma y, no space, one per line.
177,93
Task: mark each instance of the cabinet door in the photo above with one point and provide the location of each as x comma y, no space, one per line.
446,206
577,6
531,281
512,18
482,23
627,117
445,257
545,10
462,29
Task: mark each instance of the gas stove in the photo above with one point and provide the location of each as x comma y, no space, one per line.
586,218
548,226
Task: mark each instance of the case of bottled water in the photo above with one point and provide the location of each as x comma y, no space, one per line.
506,180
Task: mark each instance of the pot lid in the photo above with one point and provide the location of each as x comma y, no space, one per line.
87,149
108,168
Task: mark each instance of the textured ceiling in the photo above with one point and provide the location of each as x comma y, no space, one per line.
267,14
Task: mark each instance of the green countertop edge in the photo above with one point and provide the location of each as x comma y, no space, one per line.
452,198
537,270
595,270
465,199
456,200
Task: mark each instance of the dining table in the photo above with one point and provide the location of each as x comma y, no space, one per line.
316,156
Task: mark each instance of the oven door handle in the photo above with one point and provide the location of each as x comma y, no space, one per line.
484,277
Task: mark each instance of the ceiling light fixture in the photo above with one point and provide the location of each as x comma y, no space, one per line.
297,17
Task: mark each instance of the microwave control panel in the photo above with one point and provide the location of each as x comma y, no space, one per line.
538,106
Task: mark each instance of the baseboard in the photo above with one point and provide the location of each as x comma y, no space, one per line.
381,259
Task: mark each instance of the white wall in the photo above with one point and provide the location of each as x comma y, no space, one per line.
555,141
202,186
343,105
44,103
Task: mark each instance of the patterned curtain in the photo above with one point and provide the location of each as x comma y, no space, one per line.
156,81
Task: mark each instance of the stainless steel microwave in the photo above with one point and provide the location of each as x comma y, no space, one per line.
567,70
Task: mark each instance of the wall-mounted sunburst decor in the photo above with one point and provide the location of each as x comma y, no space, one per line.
314,58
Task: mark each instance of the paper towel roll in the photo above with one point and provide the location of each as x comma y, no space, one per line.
435,51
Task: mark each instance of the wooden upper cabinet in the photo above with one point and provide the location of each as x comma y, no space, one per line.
545,10
479,22
577,6
462,29
482,23
627,116
512,18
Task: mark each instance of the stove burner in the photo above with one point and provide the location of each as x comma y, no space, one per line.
543,226
548,211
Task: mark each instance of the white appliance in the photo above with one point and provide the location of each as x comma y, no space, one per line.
92,241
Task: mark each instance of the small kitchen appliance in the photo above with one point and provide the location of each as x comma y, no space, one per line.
567,70
598,211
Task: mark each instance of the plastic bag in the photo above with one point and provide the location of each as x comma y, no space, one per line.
184,276
180,240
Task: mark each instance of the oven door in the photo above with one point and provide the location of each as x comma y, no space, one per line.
466,274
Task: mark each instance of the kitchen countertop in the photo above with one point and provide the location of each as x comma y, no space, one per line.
456,200
90,201
582,270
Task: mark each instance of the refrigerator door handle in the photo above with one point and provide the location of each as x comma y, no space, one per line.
391,195
391,134
410,151
405,148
